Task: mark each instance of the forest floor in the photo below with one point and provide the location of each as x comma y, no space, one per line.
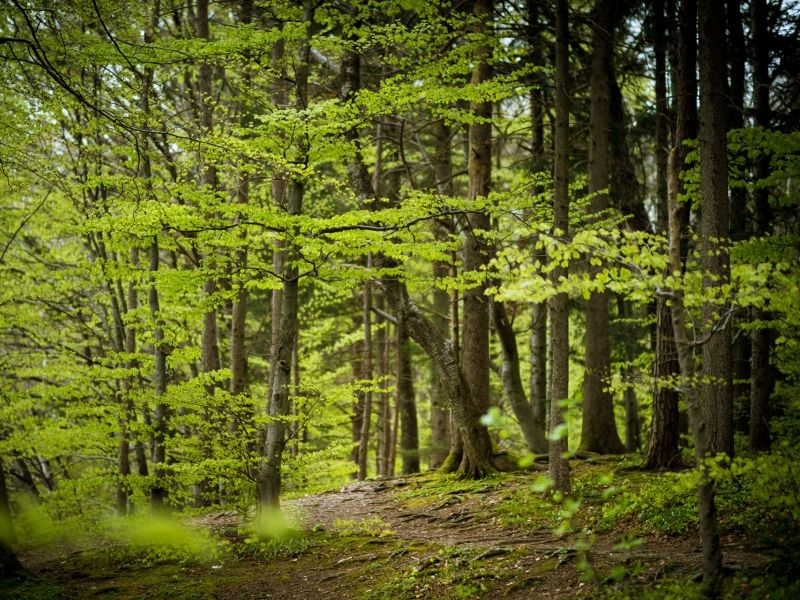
424,536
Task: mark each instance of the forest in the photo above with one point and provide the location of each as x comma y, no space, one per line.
535,261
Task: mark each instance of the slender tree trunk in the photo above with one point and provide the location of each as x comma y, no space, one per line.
158,491
662,450
762,337
532,430
559,304
538,337
382,373
269,477
715,227
739,213
440,415
366,376
709,532
238,326
285,306
599,430
128,384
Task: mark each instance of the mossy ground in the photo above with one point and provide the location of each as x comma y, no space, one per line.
630,535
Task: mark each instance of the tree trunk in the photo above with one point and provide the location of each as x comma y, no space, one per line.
366,376
284,337
443,303
763,337
709,532
238,326
384,425
715,227
477,448
158,491
532,430
740,215
599,430
559,304
269,476
475,331
406,404
662,449
129,410
538,336
440,415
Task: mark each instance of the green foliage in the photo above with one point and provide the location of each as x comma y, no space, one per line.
155,539
667,504
370,527
760,495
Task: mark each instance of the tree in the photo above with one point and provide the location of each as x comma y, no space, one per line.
285,338
599,430
709,533
559,304
662,450
474,353
762,377
715,228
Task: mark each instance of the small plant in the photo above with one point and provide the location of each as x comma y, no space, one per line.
370,527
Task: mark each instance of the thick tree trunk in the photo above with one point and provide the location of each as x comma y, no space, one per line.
443,303
9,563
662,448
7,533
559,305
532,430
599,430
715,227
475,330
477,448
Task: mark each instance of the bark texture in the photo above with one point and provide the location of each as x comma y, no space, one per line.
598,429
717,389
662,449
559,305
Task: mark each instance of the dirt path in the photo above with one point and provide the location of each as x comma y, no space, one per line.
405,538
457,520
